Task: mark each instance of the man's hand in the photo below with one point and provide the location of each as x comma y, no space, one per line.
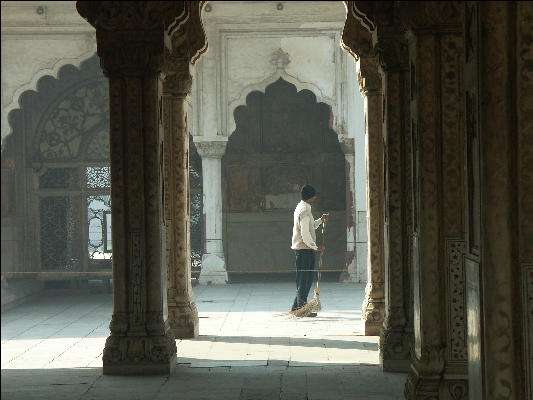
324,217
321,248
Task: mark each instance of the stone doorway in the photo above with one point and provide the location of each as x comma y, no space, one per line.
283,139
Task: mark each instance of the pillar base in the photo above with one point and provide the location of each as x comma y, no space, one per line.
213,270
395,350
349,275
183,319
418,387
140,355
373,316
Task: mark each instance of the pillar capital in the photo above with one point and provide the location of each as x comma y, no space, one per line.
374,13
442,16
129,34
347,146
369,77
185,37
356,38
178,77
392,48
185,43
211,149
132,36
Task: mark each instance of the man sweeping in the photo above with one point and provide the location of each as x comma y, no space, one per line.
304,245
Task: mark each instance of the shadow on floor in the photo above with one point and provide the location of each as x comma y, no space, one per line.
222,383
290,341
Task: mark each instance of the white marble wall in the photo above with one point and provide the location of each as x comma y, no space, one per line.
38,38
252,45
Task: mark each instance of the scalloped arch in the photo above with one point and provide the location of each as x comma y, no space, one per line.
101,124
33,83
261,87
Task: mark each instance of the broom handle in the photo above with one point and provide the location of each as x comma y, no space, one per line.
321,255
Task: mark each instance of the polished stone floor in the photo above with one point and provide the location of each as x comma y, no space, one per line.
248,348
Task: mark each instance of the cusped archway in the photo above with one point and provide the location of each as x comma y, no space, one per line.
283,139
60,153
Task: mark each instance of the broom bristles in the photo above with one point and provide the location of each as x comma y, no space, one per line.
313,306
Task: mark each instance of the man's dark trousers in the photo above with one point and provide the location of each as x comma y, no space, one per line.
305,260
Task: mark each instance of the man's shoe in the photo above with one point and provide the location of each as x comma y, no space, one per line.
297,308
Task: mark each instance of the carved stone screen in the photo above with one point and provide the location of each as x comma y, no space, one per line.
195,198
283,139
60,144
57,233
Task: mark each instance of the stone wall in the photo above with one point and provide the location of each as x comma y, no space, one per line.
242,57
38,38
15,291
253,46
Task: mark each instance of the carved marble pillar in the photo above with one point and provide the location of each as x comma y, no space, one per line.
396,337
439,363
473,201
213,261
524,193
182,312
350,268
131,44
374,303
499,156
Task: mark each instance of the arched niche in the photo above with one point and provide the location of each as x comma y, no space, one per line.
280,74
196,208
32,85
55,174
60,144
283,139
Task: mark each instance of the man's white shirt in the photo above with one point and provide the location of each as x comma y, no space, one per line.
303,230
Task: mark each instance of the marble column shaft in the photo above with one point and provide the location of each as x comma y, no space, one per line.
437,134
397,334
374,303
213,260
500,149
350,273
139,327
183,314
131,51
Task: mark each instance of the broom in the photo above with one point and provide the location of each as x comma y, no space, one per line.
314,305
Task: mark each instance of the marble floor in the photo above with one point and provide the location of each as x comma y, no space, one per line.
249,348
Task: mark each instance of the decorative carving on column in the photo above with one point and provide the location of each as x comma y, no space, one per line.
356,39
525,180
187,45
182,312
131,46
213,149
504,63
497,203
527,296
213,261
350,268
455,250
374,303
472,200
435,50
397,335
